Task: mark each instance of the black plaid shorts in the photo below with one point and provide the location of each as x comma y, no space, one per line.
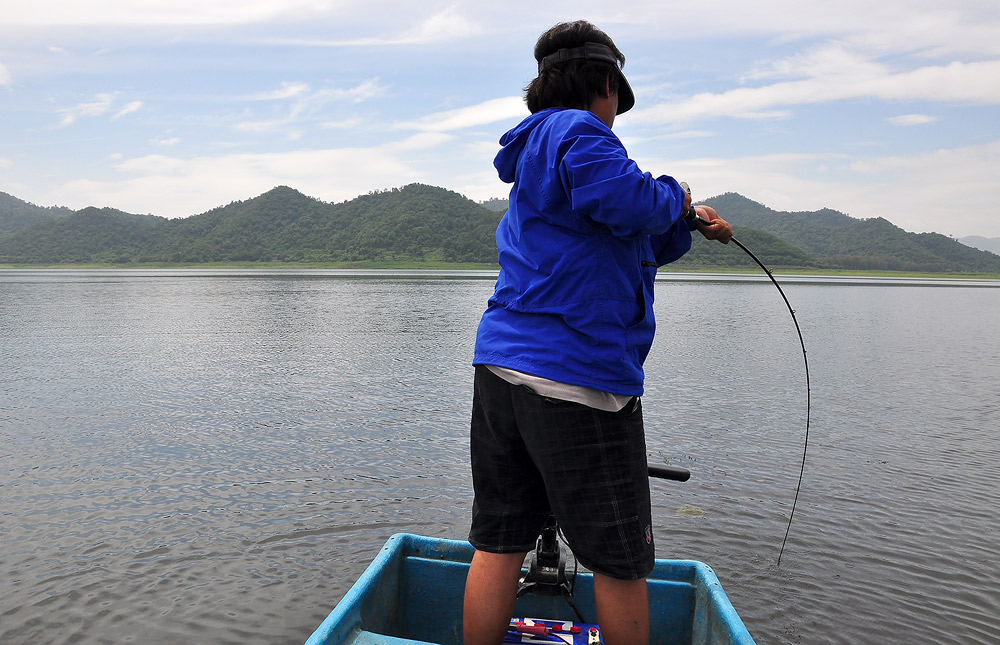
533,455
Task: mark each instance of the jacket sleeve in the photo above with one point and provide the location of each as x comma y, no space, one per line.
606,186
671,245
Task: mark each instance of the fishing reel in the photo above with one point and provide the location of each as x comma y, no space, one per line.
546,574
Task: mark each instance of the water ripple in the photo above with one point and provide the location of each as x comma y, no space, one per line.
194,457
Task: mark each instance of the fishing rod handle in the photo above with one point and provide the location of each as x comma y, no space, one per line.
670,472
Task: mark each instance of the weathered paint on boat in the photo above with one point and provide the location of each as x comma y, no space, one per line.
413,592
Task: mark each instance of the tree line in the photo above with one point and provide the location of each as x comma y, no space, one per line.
419,223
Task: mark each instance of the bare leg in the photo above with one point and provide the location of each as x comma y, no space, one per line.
490,593
622,610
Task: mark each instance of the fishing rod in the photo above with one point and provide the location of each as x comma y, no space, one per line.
805,444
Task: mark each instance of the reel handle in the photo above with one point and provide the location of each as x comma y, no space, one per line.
673,473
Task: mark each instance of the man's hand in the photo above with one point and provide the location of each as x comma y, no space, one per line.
717,228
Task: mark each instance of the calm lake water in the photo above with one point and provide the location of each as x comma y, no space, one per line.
215,456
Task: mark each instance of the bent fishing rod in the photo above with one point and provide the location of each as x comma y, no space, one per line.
805,444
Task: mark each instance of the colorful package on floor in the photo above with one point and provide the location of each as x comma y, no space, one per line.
539,630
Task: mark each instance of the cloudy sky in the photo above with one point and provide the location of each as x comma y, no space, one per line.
174,107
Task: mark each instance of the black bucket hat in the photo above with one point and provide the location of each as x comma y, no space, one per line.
596,52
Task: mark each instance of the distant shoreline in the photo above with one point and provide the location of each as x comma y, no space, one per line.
470,266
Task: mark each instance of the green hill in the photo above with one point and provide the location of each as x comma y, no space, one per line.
89,235
278,225
17,215
771,250
839,241
419,223
411,224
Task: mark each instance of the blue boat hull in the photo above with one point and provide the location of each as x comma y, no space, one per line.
413,593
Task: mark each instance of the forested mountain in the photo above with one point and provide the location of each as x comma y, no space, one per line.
839,241
771,250
422,223
414,223
17,215
89,235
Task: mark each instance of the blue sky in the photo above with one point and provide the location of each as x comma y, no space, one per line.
174,107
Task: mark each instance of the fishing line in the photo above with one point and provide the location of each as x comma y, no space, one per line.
805,360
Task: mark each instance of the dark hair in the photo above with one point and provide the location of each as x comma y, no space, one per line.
572,83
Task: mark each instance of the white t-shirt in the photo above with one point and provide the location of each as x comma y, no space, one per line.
587,396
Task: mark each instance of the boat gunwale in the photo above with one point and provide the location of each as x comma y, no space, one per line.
346,624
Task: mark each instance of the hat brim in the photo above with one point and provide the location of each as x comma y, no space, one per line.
597,52
626,98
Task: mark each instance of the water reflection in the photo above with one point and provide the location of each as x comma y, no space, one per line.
197,456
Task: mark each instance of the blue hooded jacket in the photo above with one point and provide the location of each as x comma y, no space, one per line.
578,248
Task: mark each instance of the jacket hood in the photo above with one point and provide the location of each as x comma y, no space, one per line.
514,141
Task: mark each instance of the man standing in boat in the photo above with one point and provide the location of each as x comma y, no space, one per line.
557,419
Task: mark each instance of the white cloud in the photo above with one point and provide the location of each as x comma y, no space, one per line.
422,141
100,105
826,61
480,186
929,27
691,134
362,92
912,119
270,124
344,124
155,12
153,165
491,111
199,184
305,103
914,62
133,106
834,75
286,91
946,191
776,180
167,142
447,25
303,94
